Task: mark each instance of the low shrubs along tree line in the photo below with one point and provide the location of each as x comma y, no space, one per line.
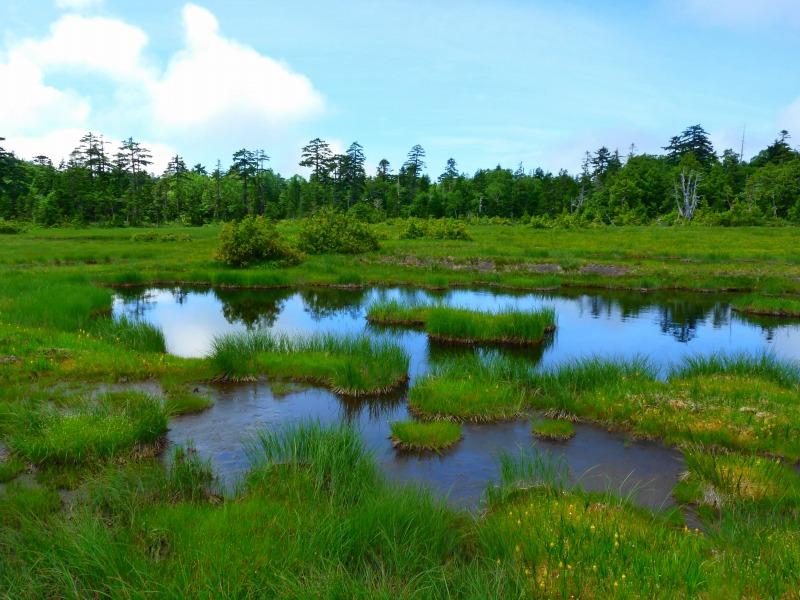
689,181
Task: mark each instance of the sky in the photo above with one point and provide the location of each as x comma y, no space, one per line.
485,83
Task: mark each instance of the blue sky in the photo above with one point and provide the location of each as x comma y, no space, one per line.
486,83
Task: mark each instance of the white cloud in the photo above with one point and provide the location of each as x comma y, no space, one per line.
217,78
77,4
215,96
108,46
29,106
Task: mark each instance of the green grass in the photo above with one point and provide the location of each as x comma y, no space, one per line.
505,327
398,312
463,326
415,435
10,467
138,528
767,306
720,479
553,429
109,425
136,335
469,389
351,366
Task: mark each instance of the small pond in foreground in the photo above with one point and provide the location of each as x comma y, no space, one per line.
664,327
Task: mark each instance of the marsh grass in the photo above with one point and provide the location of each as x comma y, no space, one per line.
508,326
136,335
767,306
399,312
464,326
470,389
10,467
433,436
763,366
717,479
553,429
574,544
333,457
108,425
349,365
740,402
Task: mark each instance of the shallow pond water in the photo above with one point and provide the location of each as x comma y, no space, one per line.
664,327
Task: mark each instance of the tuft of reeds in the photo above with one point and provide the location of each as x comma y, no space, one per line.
415,435
349,365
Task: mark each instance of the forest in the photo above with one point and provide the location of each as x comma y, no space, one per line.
689,182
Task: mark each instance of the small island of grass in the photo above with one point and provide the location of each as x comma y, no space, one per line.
415,435
556,430
464,326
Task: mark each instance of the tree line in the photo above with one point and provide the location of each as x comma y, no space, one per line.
689,181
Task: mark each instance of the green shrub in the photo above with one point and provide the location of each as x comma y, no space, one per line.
330,231
254,240
435,229
10,226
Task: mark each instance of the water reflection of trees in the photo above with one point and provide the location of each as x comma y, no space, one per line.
439,352
323,303
376,408
252,308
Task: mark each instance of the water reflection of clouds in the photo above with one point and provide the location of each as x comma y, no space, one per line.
663,327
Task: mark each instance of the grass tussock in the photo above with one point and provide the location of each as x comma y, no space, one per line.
433,436
557,430
457,325
470,389
352,366
398,312
464,326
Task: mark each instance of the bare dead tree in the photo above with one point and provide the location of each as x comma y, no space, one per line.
686,197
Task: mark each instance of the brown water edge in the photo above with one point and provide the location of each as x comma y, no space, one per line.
598,460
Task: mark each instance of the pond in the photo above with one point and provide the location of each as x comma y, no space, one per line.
663,327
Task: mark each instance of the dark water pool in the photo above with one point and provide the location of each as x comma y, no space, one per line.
664,327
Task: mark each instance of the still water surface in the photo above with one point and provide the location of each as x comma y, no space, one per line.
663,327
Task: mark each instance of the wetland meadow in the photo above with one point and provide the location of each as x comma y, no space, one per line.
544,413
